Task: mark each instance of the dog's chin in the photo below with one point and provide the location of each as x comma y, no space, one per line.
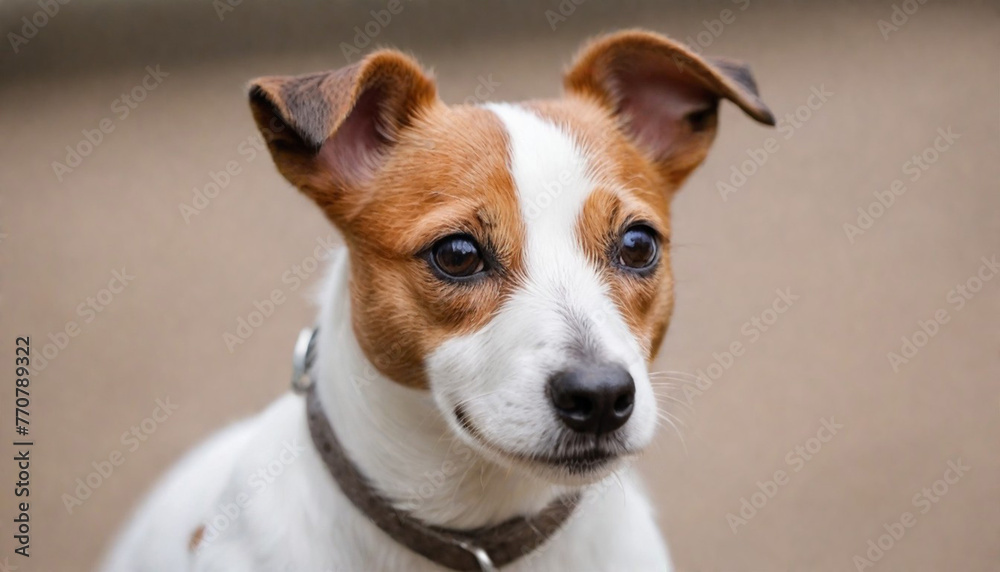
576,470
574,462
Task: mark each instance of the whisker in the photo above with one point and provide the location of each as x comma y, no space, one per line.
461,480
674,399
667,418
621,485
674,372
670,418
667,380
475,397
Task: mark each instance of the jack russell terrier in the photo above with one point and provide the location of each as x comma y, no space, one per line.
477,384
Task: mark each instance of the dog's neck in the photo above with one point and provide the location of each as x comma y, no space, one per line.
398,438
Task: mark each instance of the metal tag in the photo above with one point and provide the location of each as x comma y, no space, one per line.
302,360
485,563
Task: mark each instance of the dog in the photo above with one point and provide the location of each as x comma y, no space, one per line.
477,385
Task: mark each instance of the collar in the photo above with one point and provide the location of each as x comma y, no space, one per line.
484,549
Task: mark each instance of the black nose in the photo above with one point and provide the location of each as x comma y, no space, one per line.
594,398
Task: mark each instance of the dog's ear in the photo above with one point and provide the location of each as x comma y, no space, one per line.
330,132
664,96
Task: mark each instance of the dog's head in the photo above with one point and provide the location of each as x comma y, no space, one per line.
512,259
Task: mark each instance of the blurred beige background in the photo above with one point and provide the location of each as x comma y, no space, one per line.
826,357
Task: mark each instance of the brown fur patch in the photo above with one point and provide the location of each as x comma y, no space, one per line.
196,537
449,175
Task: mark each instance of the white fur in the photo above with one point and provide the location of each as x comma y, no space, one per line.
269,503
499,373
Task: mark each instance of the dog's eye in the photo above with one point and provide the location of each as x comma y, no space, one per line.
457,256
639,248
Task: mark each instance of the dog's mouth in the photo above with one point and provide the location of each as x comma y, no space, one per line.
586,461
575,455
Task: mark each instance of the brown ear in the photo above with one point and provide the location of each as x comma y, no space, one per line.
664,95
329,132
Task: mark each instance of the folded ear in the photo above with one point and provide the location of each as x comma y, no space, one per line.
664,95
330,132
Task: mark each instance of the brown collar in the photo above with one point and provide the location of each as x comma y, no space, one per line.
483,549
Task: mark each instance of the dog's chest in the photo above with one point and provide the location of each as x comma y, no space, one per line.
298,520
